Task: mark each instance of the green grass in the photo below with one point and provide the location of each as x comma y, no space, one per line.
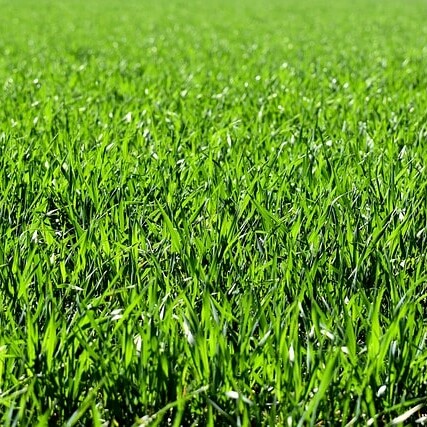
213,214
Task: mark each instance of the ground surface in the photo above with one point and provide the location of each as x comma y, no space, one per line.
213,214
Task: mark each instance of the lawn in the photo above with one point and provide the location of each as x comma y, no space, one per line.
213,212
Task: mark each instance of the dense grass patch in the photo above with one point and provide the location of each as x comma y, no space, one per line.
213,214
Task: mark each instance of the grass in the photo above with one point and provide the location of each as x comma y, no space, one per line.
213,214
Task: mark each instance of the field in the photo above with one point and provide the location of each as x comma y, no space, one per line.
213,212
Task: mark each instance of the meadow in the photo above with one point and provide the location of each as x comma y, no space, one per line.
213,213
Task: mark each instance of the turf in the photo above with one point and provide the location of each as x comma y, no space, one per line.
213,213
